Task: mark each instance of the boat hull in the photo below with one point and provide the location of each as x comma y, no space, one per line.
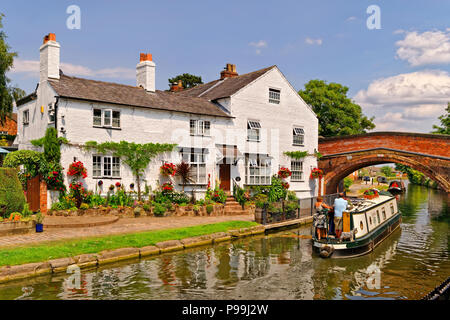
363,245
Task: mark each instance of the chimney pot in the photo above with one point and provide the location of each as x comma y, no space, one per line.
49,37
229,71
146,57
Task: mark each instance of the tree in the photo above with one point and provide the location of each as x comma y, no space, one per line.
136,156
338,115
387,171
189,80
445,123
8,94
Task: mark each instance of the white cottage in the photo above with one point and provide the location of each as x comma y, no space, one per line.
233,130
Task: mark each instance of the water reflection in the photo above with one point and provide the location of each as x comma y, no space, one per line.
407,265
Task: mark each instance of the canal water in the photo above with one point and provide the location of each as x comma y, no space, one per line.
407,265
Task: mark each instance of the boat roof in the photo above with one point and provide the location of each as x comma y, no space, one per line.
366,204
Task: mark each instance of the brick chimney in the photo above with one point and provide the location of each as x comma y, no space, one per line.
229,72
177,86
145,72
49,58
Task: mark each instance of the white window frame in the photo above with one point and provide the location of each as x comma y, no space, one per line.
51,113
114,173
258,170
102,118
26,119
253,126
200,128
274,96
298,132
297,171
197,161
94,170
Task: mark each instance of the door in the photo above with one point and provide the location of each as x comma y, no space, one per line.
224,176
33,193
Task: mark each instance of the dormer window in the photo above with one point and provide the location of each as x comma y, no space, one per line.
298,136
253,131
274,96
106,118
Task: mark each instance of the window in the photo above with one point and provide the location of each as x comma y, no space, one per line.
51,113
106,118
98,117
105,166
253,131
274,96
299,136
392,209
258,170
378,216
370,220
297,170
26,117
200,128
96,166
197,160
383,212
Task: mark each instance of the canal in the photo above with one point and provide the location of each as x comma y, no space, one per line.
407,265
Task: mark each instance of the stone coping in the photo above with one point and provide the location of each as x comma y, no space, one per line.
76,222
17,272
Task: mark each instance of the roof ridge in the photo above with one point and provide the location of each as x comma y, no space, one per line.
98,81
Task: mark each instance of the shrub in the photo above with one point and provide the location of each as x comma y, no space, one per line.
159,210
137,211
261,200
146,207
277,191
26,212
39,218
196,208
291,206
275,208
73,209
84,206
292,196
209,208
12,198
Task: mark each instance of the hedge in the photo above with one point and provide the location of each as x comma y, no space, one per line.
12,198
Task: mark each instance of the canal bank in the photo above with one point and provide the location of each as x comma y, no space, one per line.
88,259
278,265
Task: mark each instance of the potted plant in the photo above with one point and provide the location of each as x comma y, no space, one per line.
39,219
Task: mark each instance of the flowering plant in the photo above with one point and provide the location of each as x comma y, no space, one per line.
100,183
118,185
77,169
284,173
15,216
370,194
285,185
55,180
167,187
168,169
316,173
132,186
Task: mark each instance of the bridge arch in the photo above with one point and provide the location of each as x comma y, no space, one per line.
427,153
333,178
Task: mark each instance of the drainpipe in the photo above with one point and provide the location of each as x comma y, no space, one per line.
56,115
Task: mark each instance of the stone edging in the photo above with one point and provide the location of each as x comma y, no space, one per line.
10,273
82,225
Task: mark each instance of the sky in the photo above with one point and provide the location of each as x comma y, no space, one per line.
399,73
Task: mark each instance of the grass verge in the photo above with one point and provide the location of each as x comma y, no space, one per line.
70,248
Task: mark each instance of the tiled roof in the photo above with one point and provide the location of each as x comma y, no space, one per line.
223,88
108,92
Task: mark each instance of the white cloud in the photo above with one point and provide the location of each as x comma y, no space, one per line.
407,102
258,45
312,41
31,68
399,31
430,47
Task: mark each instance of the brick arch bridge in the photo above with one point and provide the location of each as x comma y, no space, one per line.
427,153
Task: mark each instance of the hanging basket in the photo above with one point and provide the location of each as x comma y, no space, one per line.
316,173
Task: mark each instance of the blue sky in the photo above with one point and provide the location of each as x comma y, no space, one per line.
399,73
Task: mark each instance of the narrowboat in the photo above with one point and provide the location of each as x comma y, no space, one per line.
366,224
396,186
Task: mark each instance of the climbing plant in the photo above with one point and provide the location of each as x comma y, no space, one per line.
134,155
29,159
302,154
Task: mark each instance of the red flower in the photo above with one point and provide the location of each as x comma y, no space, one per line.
118,184
284,173
168,169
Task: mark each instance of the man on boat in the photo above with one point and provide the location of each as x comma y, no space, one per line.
340,205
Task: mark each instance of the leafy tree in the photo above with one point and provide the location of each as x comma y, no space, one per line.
8,94
189,80
338,115
445,123
387,171
136,156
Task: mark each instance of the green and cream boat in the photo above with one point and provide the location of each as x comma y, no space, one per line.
374,220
